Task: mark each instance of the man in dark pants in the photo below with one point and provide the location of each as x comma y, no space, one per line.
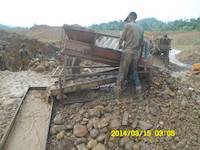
131,42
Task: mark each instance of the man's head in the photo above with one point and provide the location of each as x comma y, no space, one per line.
131,17
165,36
23,45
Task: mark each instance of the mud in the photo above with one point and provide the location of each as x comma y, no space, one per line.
13,85
31,126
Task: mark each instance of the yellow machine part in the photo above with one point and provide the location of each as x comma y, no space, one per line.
196,67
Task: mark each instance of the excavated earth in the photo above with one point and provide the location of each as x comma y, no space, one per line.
167,104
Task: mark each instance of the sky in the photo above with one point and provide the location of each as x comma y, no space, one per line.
26,13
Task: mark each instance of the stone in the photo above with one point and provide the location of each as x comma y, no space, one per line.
80,130
94,113
144,125
99,146
81,147
110,144
56,128
134,124
99,108
85,119
101,137
93,123
94,133
82,111
40,68
115,123
125,118
92,143
182,143
80,141
103,123
104,130
198,101
129,145
69,126
155,110
136,147
60,135
58,119
123,141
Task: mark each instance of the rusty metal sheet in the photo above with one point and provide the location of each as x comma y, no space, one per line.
80,34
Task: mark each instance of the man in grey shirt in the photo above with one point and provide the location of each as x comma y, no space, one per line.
131,42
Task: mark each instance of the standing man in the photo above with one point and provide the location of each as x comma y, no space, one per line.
131,42
166,48
24,57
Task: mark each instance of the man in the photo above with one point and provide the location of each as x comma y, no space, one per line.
3,58
148,46
166,47
24,57
131,42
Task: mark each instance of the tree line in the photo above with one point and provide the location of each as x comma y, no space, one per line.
152,24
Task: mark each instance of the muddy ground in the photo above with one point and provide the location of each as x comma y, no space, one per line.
13,85
31,126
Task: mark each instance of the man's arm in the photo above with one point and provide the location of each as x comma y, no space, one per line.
123,36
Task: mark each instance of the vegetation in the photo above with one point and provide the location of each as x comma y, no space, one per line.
152,24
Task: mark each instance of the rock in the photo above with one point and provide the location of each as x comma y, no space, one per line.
81,147
92,143
82,111
80,130
99,146
136,147
99,108
125,118
58,119
198,101
129,145
134,124
40,68
103,123
101,137
85,119
60,135
56,128
103,130
69,126
94,133
184,103
155,110
94,122
123,141
144,125
182,143
80,141
110,144
115,123
94,113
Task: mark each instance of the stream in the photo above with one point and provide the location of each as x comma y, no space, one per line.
174,60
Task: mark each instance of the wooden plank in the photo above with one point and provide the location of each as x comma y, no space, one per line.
83,86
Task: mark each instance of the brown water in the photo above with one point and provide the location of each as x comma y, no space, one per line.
30,129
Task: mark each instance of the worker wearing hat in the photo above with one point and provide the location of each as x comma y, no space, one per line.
130,42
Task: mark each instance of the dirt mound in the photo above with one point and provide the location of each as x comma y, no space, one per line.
34,46
45,33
